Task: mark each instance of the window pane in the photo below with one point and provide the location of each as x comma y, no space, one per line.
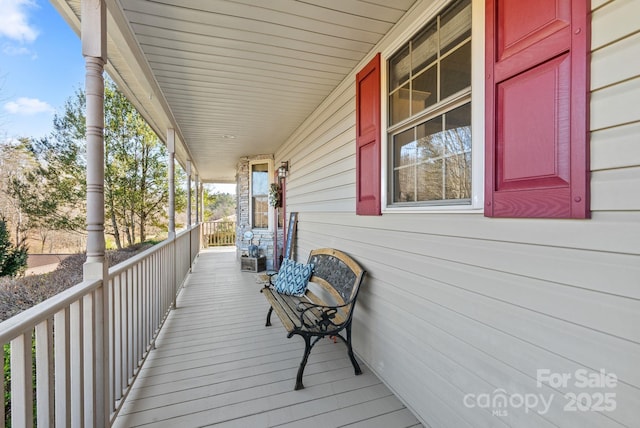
458,148
405,188
404,148
424,48
458,177
430,141
399,69
458,126
259,179
260,212
456,71
431,149
430,181
425,88
455,25
399,105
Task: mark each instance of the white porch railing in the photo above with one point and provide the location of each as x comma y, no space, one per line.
218,233
89,341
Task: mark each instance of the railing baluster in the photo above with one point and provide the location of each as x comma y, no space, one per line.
110,323
21,381
137,298
89,358
134,316
117,336
145,317
62,381
142,323
127,328
77,367
166,298
44,373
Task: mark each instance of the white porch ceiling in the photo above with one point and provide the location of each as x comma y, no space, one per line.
235,77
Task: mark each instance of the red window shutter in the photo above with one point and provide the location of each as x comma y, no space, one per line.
368,139
537,151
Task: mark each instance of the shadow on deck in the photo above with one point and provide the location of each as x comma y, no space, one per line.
217,364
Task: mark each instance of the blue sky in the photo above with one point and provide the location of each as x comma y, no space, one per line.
41,66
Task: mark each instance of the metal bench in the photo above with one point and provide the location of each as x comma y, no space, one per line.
326,309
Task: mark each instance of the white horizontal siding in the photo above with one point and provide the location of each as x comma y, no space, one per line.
616,63
452,366
597,3
617,189
459,303
413,291
613,22
615,105
616,147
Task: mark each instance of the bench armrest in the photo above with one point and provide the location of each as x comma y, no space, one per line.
273,276
324,316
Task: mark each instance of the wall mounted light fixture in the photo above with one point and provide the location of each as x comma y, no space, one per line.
283,170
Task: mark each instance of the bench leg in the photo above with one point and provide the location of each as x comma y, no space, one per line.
307,350
356,367
268,324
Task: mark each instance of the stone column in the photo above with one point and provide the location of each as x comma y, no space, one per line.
95,342
171,148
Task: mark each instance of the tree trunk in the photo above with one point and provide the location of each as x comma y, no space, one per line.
116,231
126,214
43,239
132,221
114,220
143,232
128,235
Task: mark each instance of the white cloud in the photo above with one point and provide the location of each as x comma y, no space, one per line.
16,50
28,106
14,20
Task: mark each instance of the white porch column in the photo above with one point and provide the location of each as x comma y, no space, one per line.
201,201
171,148
95,410
197,199
188,194
94,51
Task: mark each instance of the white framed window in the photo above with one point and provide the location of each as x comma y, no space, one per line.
260,176
433,145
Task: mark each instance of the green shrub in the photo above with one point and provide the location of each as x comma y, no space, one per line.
13,259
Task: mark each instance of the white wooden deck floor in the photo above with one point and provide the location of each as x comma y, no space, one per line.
217,364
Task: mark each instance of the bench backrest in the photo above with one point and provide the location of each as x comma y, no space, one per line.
337,273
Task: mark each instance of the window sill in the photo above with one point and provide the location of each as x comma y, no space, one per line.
462,209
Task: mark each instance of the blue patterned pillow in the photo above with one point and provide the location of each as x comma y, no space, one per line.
293,277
